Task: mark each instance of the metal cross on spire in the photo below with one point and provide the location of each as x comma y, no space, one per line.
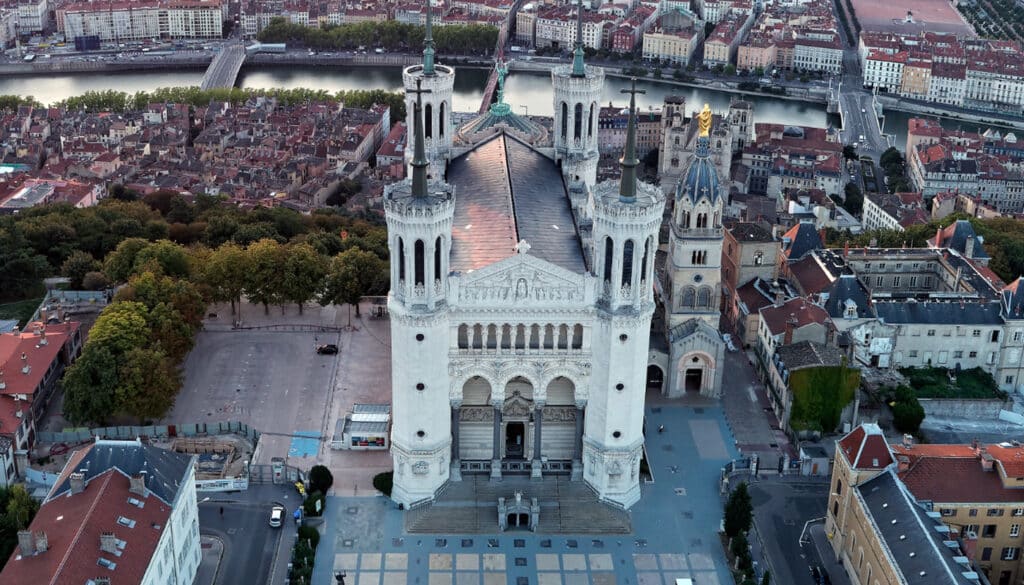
578,69
629,162
428,44
419,158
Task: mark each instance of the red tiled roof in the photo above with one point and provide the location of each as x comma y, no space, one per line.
73,525
1011,459
801,311
810,275
865,448
37,357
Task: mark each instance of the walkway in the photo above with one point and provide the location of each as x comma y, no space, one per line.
223,70
674,528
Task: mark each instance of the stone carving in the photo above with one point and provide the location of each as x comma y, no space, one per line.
614,468
559,414
421,468
517,406
476,414
521,283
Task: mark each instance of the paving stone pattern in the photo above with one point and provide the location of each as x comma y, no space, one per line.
673,529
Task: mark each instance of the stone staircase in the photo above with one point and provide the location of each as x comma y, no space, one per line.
471,507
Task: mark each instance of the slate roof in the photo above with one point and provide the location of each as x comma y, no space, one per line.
701,178
809,354
939,313
847,288
1013,300
165,469
915,540
955,236
745,231
803,238
507,191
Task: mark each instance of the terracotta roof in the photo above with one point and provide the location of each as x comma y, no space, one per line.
955,473
73,525
1010,458
801,311
811,277
865,448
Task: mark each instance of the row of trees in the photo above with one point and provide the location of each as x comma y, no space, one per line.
391,35
112,100
131,362
739,518
895,167
47,240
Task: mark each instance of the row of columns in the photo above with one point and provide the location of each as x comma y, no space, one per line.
496,456
533,336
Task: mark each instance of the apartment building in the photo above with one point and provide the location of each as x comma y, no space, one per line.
880,530
720,48
31,16
884,71
883,211
556,27
143,19
677,46
788,363
818,51
120,511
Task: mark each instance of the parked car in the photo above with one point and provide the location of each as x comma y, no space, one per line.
276,516
327,349
301,488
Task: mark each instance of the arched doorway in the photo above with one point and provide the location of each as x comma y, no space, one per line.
695,373
655,378
558,427
517,415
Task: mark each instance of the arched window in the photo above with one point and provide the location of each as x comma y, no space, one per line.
463,336
440,120
506,337
565,120
627,263
590,122
689,296
401,259
549,337
686,220
704,297
520,336
428,120
702,220
478,336
643,263
417,263
577,336
437,259
716,220
577,122
563,337
608,251
492,337
758,258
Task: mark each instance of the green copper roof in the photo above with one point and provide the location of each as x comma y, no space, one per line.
428,44
578,68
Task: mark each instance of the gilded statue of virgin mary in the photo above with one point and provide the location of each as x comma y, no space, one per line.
704,120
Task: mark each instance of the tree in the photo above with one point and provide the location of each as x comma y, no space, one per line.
384,482
120,328
119,264
350,276
854,201
739,546
90,386
77,265
849,152
729,69
95,281
739,512
164,256
225,273
320,479
766,578
148,382
263,283
303,274
21,508
907,412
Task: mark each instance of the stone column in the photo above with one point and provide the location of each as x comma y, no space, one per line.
538,415
496,450
577,457
455,474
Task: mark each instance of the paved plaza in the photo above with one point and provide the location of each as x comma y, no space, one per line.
674,528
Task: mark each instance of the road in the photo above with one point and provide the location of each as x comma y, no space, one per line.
781,508
223,70
250,543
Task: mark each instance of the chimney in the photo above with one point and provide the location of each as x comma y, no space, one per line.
902,463
938,237
25,544
42,543
137,483
788,337
969,248
846,249
77,482
987,460
108,543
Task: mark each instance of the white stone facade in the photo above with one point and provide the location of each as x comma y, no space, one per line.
438,128
577,105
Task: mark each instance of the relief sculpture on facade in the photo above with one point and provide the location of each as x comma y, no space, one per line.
519,285
476,414
559,413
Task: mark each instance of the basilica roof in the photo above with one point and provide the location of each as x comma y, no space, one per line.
701,179
496,119
506,191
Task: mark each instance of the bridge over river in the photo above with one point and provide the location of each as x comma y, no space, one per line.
223,70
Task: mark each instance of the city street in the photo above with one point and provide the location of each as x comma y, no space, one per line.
251,546
781,508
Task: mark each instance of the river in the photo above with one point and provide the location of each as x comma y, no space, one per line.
527,92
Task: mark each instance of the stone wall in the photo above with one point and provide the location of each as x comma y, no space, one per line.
980,409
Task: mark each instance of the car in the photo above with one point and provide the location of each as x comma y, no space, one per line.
301,488
276,516
862,139
327,349
863,110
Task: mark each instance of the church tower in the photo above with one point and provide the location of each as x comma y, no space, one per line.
439,80
627,217
577,99
419,215
695,263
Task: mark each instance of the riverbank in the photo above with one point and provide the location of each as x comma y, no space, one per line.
925,109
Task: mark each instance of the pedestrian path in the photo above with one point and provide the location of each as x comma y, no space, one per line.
673,528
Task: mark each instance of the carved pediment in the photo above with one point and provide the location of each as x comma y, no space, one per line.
516,406
521,279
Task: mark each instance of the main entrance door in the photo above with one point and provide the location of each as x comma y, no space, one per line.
694,377
515,440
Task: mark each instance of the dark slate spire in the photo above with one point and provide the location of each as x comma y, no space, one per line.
428,44
578,69
419,159
629,162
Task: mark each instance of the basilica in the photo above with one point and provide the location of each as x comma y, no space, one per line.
532,308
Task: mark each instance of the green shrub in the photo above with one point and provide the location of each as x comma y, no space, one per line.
311,535
383,482
908,416
739,512
320,479
309,506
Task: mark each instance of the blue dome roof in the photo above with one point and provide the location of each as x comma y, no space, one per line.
702,177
